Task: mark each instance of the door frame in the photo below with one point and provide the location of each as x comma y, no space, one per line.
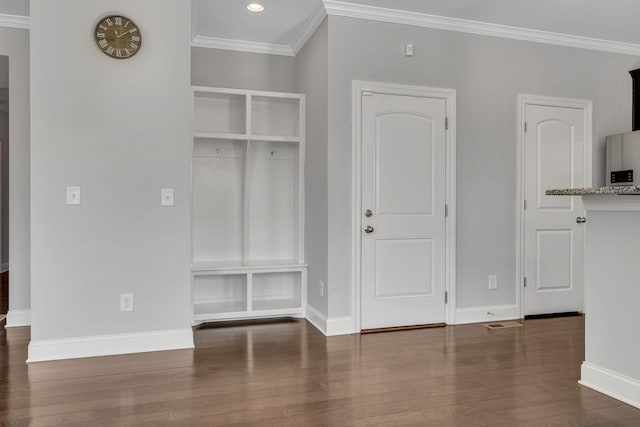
547,101
449,95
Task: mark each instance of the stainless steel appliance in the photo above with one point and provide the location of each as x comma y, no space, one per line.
623,159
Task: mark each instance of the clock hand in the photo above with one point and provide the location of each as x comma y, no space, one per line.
116,31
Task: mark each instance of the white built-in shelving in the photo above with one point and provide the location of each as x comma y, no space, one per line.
248,200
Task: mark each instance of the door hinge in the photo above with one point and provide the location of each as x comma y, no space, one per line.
524,282
446,210
446,123
525,127
446,297
367,93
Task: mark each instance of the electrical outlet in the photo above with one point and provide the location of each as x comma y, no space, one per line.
321,288
493,281
73,195
166,197
126,302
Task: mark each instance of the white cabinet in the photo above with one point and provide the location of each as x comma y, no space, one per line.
247,195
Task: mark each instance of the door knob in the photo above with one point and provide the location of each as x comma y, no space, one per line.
368,213
368,229
581,220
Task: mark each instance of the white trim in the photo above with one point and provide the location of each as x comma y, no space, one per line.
15,21
339,8
106,345
242,46
450,96
340,326
523,101
309,28
18,318
611,202
4,267
330,326
489,313
317,319
613,384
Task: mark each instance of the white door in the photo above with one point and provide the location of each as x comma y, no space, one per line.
554,153
404,188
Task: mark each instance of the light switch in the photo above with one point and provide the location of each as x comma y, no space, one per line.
408,50
166,197
73,195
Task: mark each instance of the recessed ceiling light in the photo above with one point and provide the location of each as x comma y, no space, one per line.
255,7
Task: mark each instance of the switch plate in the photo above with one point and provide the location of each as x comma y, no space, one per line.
408,50
126,302
166,195
493,281
73,195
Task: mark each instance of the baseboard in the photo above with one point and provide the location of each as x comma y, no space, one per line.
613,384
330,326
340,326
317,319
18,318
4,267
488,313
107,345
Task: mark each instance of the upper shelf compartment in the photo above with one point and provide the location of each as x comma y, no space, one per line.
219,113
275,117
235,114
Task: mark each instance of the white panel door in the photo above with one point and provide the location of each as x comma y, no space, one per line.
553,242
404,187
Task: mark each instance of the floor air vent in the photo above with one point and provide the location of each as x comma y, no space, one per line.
503,325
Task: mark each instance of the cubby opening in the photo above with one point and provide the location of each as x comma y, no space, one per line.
219,113
275,116
218,200
214,294
277,291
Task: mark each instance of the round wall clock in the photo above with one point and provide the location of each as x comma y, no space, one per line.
118,36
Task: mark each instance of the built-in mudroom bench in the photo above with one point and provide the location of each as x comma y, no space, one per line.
248,200
612,290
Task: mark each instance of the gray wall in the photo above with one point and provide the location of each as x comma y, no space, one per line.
242,70
121,130
14,43
312,80
4,168
487,73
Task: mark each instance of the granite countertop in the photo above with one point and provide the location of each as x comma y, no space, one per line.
630,190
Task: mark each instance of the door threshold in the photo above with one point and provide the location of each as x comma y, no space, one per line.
403,328
552,315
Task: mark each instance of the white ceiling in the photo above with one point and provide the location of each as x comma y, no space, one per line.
281,22
285,24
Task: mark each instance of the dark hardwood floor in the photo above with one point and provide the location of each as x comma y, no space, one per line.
288,373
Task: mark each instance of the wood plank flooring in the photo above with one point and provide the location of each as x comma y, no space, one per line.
288,374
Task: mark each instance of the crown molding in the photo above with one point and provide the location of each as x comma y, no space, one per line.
351,10
300,40
242,46
309,28
15,21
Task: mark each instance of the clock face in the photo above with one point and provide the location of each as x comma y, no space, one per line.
118,37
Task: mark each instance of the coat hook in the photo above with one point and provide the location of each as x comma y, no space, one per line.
217,150
272,153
